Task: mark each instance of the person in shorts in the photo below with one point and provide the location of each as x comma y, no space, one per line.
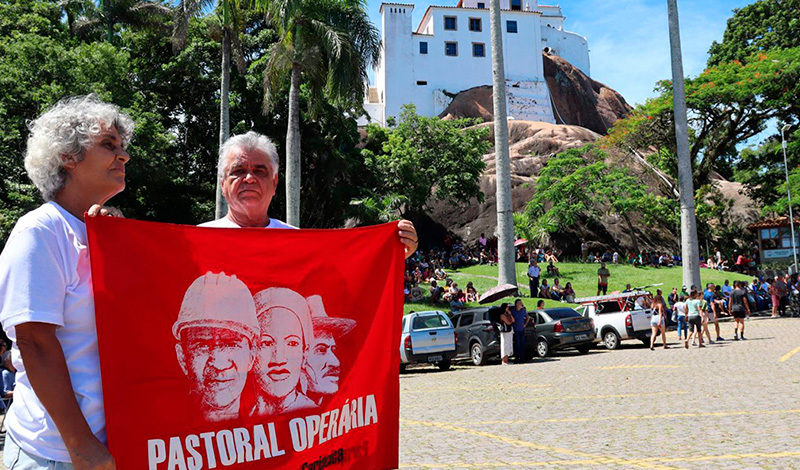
739,308
602,279
693,307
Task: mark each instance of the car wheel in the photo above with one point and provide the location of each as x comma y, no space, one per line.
542,348
444,365
611,339
476,353
583,349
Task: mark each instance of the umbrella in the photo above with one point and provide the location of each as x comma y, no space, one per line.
519,242
497,293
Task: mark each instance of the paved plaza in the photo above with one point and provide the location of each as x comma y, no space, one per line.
730,405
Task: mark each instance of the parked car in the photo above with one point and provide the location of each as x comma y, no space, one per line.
478,341
619,317
563,328
427,337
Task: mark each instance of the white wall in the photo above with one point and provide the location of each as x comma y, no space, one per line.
396,59
570,46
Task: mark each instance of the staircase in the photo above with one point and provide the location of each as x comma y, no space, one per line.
529,101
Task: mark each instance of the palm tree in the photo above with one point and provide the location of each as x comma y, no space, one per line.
689,244
328,45
229,14
110,13
506,269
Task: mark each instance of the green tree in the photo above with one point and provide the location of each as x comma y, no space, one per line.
108,16
577,185
421,158
762,26
327,45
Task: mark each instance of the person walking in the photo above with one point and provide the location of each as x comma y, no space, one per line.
739,308
694,319
705,313
714,309
521,320
658,320
680,316
533,277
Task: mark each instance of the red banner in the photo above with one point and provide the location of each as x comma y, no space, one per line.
248,348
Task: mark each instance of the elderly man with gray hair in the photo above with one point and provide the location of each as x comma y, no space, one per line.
248,174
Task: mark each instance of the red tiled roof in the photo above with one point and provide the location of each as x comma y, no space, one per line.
772,223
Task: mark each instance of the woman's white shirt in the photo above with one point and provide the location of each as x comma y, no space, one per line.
45,277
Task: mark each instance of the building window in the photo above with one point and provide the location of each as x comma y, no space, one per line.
478,49
475,24
511,26
423,47
451,48
481,5
516,5
422,82
450,23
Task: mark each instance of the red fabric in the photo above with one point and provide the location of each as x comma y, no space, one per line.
141,271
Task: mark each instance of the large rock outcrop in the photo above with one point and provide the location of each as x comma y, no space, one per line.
576,99
579,100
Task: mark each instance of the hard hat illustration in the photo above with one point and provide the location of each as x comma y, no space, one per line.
218,301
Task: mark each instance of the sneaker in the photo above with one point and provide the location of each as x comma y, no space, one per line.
720,338
702,345
736,338
694,343
686,343
743,338
710,342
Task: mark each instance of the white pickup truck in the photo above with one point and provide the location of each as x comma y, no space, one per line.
427,337
618,317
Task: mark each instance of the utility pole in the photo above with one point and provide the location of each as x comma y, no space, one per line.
789,195
689,249
506,268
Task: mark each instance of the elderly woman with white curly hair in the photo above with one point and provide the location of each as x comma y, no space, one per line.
76,157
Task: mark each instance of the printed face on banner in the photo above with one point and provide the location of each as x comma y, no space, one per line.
265,349
322,369
216,362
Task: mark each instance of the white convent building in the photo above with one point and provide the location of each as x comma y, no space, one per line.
450,51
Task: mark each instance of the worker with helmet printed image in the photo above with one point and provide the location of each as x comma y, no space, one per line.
216,329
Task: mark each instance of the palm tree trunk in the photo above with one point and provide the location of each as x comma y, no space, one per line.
293,151
221,207
690,251
507,272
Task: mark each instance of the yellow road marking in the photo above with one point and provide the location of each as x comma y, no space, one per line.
791,353
699,458
640,366
636,417
582,397
599,459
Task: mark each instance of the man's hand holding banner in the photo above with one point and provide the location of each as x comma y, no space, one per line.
248,348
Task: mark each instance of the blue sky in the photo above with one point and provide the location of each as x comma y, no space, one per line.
628,39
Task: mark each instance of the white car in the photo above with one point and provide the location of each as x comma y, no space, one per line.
619,317
427,337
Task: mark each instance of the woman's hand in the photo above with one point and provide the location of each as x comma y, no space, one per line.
408,236
92,455
107,211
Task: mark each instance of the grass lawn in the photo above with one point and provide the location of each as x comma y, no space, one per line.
583,277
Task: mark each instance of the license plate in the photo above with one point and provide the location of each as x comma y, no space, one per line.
581,337
434,358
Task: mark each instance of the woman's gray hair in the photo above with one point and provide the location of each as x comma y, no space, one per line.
68,129
249,141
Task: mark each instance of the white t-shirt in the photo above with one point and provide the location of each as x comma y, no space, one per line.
45,277
228,223
680,308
